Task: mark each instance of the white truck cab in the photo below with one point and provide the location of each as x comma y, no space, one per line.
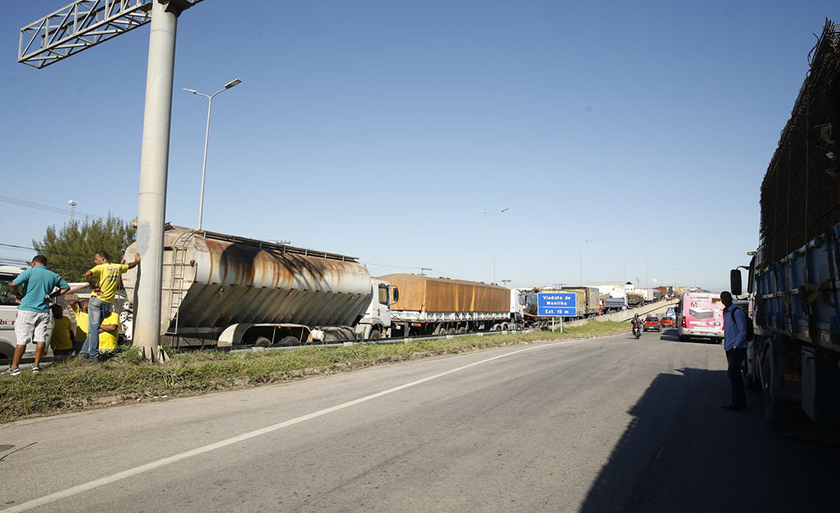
376,322
8,314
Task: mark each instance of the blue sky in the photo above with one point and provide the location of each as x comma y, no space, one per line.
380,129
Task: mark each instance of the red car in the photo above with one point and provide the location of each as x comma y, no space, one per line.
652,323
668,321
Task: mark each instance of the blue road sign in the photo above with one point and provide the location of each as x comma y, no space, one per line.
556,304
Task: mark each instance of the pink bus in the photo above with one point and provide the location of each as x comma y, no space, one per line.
700,314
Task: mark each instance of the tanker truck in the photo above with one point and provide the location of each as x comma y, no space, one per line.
222,290
792,287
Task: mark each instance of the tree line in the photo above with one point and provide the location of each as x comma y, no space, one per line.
70,249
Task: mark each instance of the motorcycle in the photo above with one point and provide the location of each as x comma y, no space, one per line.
637,331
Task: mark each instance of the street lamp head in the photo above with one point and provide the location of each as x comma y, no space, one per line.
504,210
233,83
193,91
483,211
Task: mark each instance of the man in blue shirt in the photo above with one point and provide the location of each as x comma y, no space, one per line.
38,286
735,345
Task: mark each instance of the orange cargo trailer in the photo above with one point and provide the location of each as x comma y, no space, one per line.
434,306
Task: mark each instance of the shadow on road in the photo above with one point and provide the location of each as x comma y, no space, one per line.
671,335
681,452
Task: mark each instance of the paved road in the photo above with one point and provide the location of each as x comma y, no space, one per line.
611,424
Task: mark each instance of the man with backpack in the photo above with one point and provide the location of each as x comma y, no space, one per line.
735,338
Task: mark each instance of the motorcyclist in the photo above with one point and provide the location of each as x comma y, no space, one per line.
636,321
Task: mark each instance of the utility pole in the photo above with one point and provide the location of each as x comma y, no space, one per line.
79,26
624,260
493,219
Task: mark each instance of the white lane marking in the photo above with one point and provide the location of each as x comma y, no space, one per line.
53,497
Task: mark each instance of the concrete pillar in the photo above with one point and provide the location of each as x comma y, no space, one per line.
154,164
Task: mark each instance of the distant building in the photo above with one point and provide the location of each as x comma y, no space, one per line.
614,288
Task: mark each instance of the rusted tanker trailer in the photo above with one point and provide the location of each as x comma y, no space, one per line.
440,306
222,290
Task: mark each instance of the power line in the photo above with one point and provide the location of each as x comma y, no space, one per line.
47,208
15,246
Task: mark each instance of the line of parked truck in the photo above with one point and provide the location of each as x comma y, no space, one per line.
226,291
230,291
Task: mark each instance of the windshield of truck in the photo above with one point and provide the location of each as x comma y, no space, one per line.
383,295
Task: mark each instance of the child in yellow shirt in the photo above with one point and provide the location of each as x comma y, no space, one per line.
62,335
80,309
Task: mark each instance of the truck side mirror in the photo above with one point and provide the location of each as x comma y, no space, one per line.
396,294
735,282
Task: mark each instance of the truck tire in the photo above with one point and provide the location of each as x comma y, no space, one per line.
289,341
775,410
374,335
262,342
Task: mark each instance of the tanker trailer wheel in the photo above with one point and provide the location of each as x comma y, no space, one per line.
289,341
262,342
461,330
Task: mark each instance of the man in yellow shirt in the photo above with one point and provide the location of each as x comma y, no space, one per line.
62,335
104,280
109,332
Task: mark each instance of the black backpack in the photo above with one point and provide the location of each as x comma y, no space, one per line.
750,331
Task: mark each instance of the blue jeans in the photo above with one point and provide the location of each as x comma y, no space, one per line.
735,360
98,311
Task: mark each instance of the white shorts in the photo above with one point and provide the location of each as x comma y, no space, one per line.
31,327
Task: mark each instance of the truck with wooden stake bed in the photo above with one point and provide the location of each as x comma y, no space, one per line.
793,286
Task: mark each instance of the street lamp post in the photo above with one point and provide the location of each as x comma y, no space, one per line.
232,83
647,279
580,283
675,275
624,261
493,219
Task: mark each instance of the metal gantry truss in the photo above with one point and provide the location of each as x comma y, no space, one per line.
81,25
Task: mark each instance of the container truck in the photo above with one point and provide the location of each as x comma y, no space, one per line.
422,305
222,290
793,276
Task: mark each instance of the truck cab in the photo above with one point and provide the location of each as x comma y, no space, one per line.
376,322
8,314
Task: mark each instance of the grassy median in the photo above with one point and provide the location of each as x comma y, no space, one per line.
77,384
